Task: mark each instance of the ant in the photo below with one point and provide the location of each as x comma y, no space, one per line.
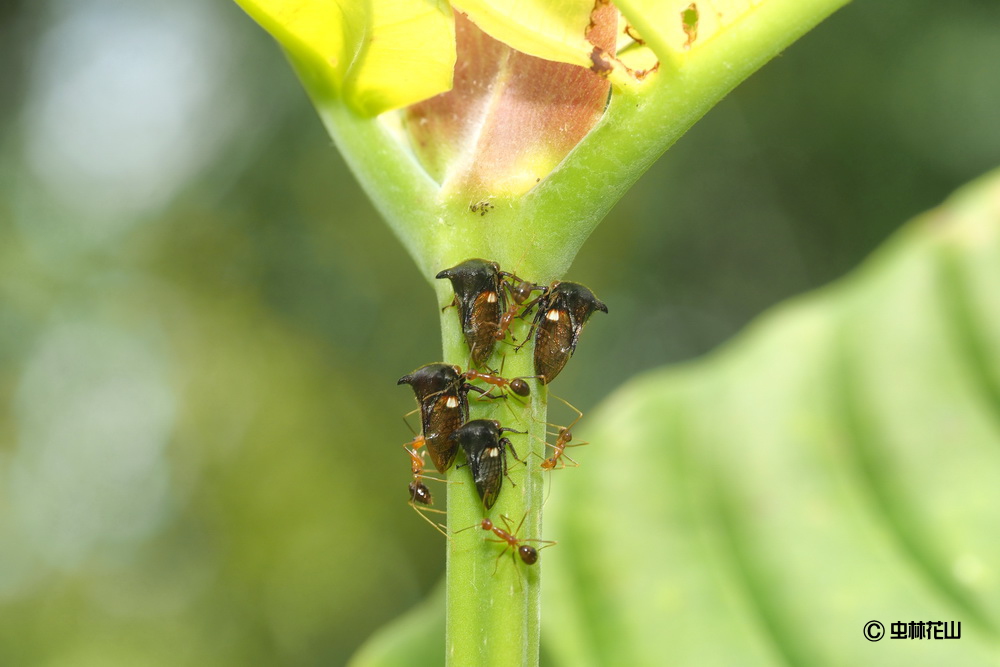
527,553
418,490
564,437
519,294
559,455
516,385
419,493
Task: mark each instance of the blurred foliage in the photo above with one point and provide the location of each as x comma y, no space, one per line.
836,463
202,319
833,464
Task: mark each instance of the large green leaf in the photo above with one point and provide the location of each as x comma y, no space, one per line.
836,464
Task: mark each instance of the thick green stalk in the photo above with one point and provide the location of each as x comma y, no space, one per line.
493,604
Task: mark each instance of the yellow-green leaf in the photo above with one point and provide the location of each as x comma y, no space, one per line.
550,29
671,27
557,29
376,55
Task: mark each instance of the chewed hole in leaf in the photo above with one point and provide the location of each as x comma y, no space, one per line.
689,23
633,35
638,61
671,27
602,62
633,52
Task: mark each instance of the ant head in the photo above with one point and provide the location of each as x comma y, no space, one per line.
486,524
420,493
522,290
528,554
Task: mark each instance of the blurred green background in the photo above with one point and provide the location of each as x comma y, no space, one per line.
202,320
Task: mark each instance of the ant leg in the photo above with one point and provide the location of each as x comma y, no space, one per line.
441,528
547,543
542,302
496,563
566,457
408,414
521,523
510,409
531,331
475,525
579,414
478,524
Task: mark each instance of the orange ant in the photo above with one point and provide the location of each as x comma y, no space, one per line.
516,385
559,455
563,437
418,490
419,493
519,294
527,553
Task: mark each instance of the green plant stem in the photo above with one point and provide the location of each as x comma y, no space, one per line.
493,599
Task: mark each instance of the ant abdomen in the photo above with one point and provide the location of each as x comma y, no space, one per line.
420,493
520,387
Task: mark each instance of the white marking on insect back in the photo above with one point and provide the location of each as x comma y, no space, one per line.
493,452
552,315
451,401
491,297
